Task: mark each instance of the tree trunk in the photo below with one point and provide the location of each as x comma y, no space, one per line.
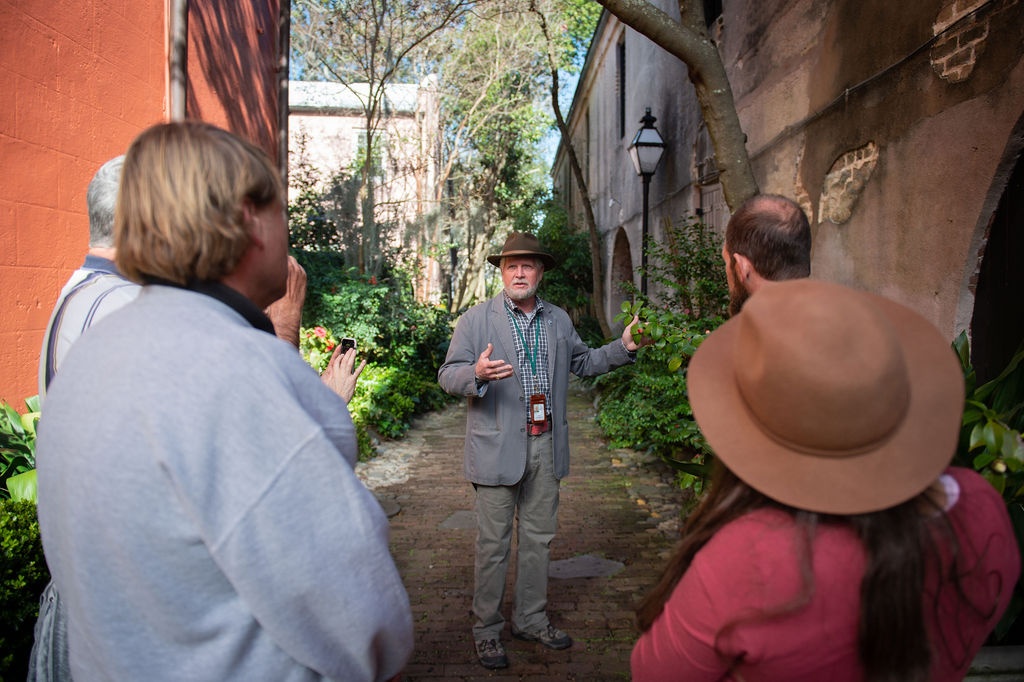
688,40
581,183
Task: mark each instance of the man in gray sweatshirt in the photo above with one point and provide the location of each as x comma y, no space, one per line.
197,499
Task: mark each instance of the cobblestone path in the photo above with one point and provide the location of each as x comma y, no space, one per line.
618,519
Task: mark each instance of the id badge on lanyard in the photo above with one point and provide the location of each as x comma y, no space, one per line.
538,408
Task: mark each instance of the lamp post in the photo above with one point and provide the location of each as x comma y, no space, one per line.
646,150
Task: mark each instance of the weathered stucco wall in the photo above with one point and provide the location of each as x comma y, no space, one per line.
895,125
654,79
890,138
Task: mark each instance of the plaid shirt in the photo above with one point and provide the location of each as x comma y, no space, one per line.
531,344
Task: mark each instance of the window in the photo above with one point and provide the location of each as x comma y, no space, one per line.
704,155
378,154
712,10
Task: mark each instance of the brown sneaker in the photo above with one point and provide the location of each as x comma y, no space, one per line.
549,636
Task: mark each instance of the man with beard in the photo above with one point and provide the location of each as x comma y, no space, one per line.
511,357
767,239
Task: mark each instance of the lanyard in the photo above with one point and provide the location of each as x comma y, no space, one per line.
531,353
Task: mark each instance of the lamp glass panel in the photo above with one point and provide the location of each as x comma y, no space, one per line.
636,161
648,158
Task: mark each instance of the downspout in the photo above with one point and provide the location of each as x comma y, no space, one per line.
178,58
284,40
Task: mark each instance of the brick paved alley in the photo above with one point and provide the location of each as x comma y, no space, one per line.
617,523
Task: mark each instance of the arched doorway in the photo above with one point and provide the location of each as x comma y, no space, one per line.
621,270
997,324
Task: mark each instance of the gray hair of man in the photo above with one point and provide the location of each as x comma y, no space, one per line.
101,199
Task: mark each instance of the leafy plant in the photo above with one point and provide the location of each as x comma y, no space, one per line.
645,406
645,394
18,450
990,443
388,397
317,344
23,575
403,341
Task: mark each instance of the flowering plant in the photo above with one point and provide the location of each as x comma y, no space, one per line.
317,345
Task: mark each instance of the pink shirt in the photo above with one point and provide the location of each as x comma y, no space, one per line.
752,565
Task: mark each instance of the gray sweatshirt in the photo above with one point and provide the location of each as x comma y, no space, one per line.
199,508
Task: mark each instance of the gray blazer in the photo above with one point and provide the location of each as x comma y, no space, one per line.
496,413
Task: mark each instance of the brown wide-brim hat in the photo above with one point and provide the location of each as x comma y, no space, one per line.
523,244
828,399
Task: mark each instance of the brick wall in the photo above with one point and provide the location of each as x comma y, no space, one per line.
80,80
959,43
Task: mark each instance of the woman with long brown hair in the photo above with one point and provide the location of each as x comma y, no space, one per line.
835,542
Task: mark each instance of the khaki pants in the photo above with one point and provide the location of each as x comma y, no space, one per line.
534,500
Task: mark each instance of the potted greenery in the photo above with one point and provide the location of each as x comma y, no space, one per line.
991,444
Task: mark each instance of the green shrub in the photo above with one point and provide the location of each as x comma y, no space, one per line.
317,346
403,341
388,397
646,406
23,575
990,443
390,327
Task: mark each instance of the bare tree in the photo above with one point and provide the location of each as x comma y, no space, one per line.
688,39
365,45
556,55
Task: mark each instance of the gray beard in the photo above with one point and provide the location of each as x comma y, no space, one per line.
528,294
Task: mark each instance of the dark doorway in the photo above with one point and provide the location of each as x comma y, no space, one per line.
621,271
997,326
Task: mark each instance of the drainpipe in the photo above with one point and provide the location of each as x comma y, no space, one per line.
177,60
284,41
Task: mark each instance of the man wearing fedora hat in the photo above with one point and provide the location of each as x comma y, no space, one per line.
767,239
511,357
836,542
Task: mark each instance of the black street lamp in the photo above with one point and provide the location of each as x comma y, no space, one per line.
646,150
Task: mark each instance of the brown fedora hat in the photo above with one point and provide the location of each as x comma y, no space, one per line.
523,244
828,399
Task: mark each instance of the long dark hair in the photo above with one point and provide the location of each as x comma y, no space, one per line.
899,543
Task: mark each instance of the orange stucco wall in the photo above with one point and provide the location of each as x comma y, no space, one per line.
233,70
80,81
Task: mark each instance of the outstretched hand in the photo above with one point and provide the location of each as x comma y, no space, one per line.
627,336
491,370
341,373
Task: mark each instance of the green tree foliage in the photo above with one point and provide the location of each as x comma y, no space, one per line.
569,285
564,56
578,22
490,81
